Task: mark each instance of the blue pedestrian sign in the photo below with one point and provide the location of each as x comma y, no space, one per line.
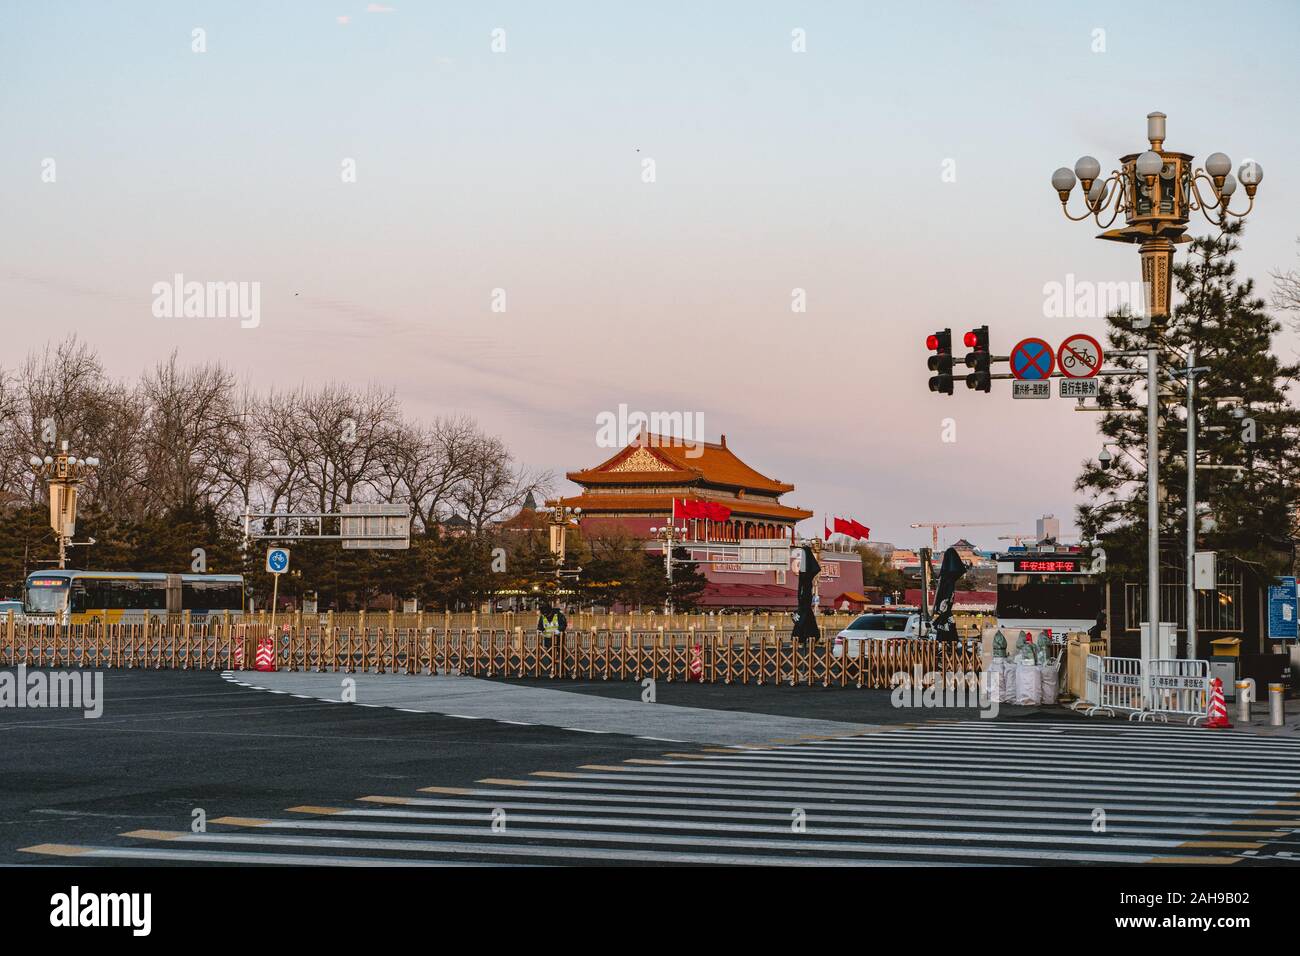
1282,610
277,560
1032,360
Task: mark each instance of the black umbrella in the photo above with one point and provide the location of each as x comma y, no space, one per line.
805,622
950,572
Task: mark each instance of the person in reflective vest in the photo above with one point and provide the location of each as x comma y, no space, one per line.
551,622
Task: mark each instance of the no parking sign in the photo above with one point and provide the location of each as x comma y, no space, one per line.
1031,360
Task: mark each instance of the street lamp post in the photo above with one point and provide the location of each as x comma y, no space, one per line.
669,535
64,474
562,517
1156,190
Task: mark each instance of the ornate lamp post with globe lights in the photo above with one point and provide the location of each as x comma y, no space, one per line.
1157,191
64,473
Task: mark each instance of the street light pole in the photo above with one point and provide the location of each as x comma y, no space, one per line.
1156,191
63,474
1153,498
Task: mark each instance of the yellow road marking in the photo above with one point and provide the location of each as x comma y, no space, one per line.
455,790
555,773
1197,860
241,821
657,763
54,849
1264,834
501,781
399,801
1218,845
597,766
155,834
311,809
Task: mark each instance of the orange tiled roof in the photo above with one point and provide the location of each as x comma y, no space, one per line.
663,504
668,461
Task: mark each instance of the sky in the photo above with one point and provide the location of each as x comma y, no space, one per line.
388,173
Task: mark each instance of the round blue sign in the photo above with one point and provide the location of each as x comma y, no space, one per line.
1032,360
277,559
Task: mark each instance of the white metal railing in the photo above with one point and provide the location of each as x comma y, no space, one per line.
1152,691
1121,683
1180,688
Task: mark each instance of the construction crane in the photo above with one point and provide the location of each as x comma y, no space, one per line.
934,527
1018,538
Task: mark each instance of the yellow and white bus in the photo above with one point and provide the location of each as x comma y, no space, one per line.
129,597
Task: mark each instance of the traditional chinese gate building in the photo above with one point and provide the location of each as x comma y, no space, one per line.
634,490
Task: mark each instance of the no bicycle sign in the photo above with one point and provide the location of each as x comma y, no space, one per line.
1079,356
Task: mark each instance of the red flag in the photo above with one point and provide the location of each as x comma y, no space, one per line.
685,509
862,531
842,526
717,512
826,529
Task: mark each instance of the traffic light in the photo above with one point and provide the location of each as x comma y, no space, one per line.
979,359
941,344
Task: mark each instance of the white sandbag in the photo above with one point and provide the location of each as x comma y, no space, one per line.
1029,685
1051,682
1008,694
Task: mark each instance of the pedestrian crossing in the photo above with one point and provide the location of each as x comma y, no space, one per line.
936,794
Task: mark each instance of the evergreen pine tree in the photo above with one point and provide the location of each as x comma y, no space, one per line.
1248,514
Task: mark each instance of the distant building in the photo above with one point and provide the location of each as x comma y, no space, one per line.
634,490
1048,528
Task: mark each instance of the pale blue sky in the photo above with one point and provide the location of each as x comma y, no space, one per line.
521,170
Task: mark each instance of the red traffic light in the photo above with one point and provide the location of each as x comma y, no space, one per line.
932,342
971,339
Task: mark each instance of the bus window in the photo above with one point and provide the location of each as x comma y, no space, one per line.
118,594
212,596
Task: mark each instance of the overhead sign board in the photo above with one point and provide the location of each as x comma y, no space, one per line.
1079,387
1041,389
1079,356
1032,360
385,526
277,560
1282,610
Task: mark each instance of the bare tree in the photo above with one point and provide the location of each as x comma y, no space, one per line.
494,486
191,421
1286,289
428,465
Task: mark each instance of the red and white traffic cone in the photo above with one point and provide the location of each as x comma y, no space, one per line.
697,665
265,653
1217,716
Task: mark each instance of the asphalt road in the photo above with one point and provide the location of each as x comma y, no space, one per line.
173,741
421,771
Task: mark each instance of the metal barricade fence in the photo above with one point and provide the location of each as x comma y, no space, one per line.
713,657
1180,688
1120,685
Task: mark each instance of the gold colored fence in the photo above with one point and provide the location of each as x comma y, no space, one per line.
743,656
969,624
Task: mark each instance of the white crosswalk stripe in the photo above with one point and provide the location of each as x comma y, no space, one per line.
942,794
